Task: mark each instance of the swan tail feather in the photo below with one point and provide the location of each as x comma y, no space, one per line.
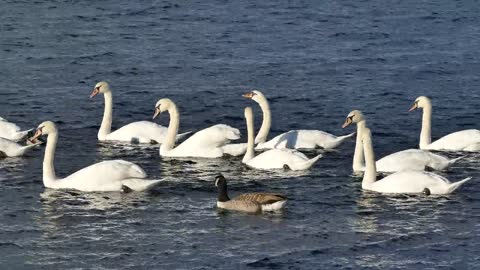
454,186
138,184
307,164
452,161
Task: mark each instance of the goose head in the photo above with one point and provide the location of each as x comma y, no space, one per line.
354,116
220,181
255,95
45,128
101,87
162,105
421,102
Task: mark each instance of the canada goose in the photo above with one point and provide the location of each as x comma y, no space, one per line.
248,202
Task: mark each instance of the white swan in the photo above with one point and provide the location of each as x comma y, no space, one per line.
206,143
113,175
410,159
274,158
11,131
465,140
12,149
405,181
136,132
296,139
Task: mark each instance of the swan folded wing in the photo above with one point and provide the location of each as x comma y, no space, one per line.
10,148
411,182
105,175
212,137
140,132
411,159
302,139
11,131
277,158
457,141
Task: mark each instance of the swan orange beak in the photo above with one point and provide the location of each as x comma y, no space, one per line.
414,107
157,112
95,92
348,121
38,133
248,95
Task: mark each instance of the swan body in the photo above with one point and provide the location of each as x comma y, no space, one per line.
405,181
304,139
465,140
12,149
294,139
207,143
141,132
248,202
11,131
411,159
273,158
136,132
110,175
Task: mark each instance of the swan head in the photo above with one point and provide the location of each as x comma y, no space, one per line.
421,102
354,116
100,87
255,95
162,105
45,128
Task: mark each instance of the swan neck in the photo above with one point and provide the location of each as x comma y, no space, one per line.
266,122
250,154
172,131
48,168
426,133
106,126
370,175
358,158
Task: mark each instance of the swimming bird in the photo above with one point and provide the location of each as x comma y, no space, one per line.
410,159
207,143
248,202
112,175
136,132
277,158
405,181
464,140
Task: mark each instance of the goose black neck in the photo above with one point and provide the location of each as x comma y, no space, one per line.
222,192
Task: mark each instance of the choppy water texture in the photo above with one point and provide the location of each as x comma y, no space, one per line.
315,60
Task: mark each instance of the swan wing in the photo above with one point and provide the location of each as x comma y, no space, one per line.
212,137
278,158
304,139
139,132
11,131
457,141
13,149
412,182
103,176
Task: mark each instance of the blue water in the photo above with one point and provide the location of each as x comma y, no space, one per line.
315,60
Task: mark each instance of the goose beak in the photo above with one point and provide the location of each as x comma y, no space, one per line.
414,107
95,92
248,95
348,121
38,133
157,112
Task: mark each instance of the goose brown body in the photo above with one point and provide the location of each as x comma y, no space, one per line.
248,202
